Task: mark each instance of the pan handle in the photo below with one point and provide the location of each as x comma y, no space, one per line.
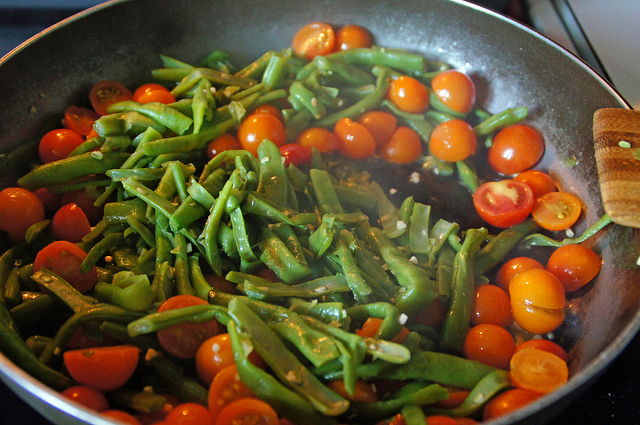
616,134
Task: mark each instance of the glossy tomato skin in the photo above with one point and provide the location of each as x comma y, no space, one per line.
58,144
64,259
320,138
508,270
121,416
153,92
507,402
102,368
352,37
247,409
314,39
455,89
489,344
574,265
404,146
259,126
225,142
86,203
409,94
491,305
225,387
381,125
453,141
190,413
539,182
19,209
354,140
70,223
545,345
88,397
515,149
504,203
537,300
295,154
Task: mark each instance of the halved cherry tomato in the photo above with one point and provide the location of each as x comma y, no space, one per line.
225,142
491,305
354,139
381,125
79,119
538,370
105,93
515,149
539,182
409,94
453,140
296,154
352,37
537,300
259,126
489,344
545,345
455,89
64,258
504,203
102,368
364,392
189,413
70,223
88,397
153,92
314,39
404,146
574,265
184,339
507,402
320,138
556,210
247,410
86,203
514,266
372,325
121,416
225,387
19,209
58,144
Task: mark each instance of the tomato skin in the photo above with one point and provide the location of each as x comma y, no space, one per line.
212,356
247,408
352,37
507,402
314,39
354,139
404,146
88,397
409,94
158,417
102,368
153,92
538,370
455,89
64,258
504,203
105,93
537,301
86,203
259,126
381,125
295,154
58,144
491,305
574,265
433,314
364,392
189,413
225,142
453,140
70,223
515,149
121,416
371,326
489,344
270,109
545,345
79,119
183,340
539,182
514,266
19,209
556,210
320,138
226,387
50,201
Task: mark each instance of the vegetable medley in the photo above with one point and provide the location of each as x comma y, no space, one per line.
223,245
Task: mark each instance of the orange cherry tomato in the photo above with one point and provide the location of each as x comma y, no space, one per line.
320,138
455,89
105,93
539,182
79,119
266,107
514,266
189,413
404,146
538,370
489,344
87,397
296,154
537,300
372,325
212,356
58,144
574,265
19,209
64,258
453,140
354,140
504,203
381,125
545,345
121,416
314,39
259,126
70,223
247,410
225,142
515,149
491,305
507,402
556,210
143,94
226,387
364,392
409,94
352,37
102,368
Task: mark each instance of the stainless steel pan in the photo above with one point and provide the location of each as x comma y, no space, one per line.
511,65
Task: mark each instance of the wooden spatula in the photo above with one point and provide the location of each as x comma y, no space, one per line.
616,134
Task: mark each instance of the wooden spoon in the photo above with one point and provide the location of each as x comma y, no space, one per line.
616,134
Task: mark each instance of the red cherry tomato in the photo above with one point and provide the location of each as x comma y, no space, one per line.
86,203
295,154
404,146
58,144
381,125
556,210
515,149
79,119
537,300
190,413
247,410
102,368
314,39
64,258
489,344
121,416
320,138
453,140
352,37
574,265
153,92
225,142
539,182
371,326
504,203
260,126
50,201
70,223
507,402
88,397
491,305
105,93
455,89
514,266
409,94
354,139
19,209
364,392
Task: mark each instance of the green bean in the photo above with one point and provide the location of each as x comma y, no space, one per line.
163,114
12,290
62,289
499,246
468,175
276,256
200,285
349,73
187,390
413,415
99,250
429,394
509,116
203,104
187,142
538,239
210,230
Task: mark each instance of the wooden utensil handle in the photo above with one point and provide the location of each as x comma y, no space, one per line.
616,134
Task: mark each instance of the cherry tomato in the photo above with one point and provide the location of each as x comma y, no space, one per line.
491,305
433,314
574,265
295,154
556,210
504,203
440,420
453,140
515,149
381,125
259,126
86,203
64,258
409,94
514,266
354,140
212,356
539,182
352,37
545,345
489,344
121,416
102,368
81,339
364,392
158,417
19,209
87,397
455,89
372,325
226,387
538,370
456,398
320,138
70,223
537,300
50,201
106,93
190,413
225,142
219,283
507,402
314,39
153,92
58,144
79,119
184,339
247,410
404,146
265,107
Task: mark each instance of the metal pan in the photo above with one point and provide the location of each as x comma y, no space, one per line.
511,65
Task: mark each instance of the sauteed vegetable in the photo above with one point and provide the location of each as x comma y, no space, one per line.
259,244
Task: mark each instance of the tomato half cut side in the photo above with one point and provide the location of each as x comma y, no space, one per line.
314,39
247,410
105,93
556,210
538,370
503,203
80,119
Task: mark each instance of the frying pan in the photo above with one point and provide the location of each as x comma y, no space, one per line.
511,65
